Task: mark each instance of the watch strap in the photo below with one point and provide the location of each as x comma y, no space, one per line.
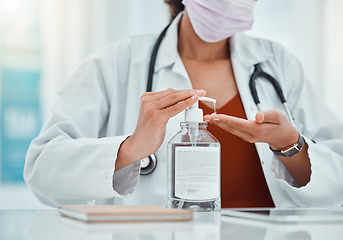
292,150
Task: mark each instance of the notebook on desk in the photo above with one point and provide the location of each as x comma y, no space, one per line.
114,213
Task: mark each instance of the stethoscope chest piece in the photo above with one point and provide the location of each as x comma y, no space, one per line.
148,164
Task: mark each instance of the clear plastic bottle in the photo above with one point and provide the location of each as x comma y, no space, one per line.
194,166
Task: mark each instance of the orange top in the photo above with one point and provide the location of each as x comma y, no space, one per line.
242,180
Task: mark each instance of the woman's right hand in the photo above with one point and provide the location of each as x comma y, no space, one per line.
155,111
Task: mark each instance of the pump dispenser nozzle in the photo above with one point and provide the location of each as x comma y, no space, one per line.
194,113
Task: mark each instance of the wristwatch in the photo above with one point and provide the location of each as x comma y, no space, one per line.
292,150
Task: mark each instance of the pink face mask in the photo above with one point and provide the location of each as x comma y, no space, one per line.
216,20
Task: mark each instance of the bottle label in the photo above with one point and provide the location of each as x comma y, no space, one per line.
197,172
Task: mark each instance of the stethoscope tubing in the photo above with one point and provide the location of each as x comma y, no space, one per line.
153,158
154,56
259,73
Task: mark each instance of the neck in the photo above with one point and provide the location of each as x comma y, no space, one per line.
192,47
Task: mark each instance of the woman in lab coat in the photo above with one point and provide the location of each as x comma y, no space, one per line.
103,123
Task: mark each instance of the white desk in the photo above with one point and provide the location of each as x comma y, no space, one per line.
48,224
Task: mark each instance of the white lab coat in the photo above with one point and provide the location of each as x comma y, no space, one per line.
72,161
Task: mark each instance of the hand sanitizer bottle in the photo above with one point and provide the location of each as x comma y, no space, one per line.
194,164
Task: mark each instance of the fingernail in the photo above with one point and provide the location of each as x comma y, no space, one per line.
216,119
261,120
195,96
200,91
208,121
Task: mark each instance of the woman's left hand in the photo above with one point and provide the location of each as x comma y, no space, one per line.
271,127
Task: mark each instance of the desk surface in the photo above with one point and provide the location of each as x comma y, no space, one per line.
48,224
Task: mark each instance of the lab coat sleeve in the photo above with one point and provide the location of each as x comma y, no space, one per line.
72,161
322,131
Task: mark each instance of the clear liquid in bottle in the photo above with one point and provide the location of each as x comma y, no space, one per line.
194,169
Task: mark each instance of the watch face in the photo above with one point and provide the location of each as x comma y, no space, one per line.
291,151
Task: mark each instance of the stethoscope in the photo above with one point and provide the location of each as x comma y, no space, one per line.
149,163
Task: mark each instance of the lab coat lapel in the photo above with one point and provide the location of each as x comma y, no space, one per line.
168,57
167,53
245,53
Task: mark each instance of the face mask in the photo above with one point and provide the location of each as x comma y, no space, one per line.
216,20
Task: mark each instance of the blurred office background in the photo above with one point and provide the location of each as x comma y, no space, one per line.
43,41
